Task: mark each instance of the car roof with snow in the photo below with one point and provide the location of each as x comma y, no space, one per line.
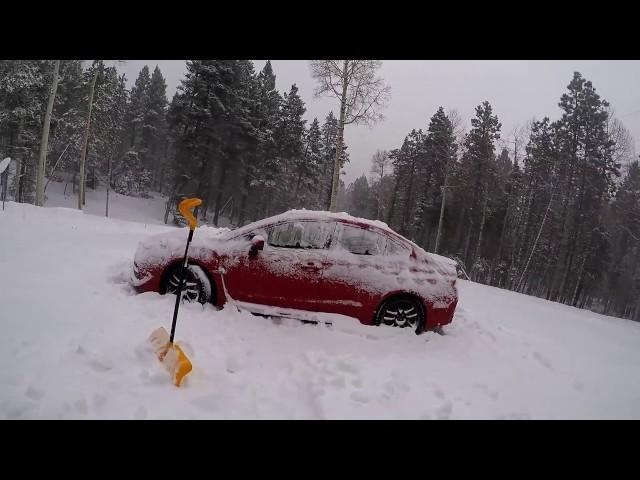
318,215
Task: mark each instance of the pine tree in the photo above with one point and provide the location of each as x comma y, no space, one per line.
261,173
621,289
154,130
479,167
22,102
439,154
380,166
138,106
68,120
407,163
329,135
308,188
358,201
288,138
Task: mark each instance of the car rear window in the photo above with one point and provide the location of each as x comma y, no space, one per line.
396,248
360,241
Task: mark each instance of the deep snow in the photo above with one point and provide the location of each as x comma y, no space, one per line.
74,345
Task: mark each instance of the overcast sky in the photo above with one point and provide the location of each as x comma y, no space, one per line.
517,90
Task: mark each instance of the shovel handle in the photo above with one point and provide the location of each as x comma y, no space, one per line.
186,206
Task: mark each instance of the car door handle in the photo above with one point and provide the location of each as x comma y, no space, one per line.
311,266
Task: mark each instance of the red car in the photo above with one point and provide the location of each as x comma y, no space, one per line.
303,262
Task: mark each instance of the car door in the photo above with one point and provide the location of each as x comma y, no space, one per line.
288,271
358,272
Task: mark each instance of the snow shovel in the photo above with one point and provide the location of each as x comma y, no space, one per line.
169,353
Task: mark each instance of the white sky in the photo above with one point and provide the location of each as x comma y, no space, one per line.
518,90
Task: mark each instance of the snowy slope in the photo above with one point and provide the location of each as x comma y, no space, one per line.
74,346
148,210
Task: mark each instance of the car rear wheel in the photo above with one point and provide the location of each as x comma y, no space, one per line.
401,312
197,287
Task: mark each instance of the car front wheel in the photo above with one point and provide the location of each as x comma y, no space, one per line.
197,287
401,312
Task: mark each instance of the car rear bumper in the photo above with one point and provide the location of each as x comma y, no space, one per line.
437,317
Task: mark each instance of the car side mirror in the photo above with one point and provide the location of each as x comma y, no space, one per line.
257,244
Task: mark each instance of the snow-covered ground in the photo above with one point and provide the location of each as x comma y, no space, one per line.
147,210
74,344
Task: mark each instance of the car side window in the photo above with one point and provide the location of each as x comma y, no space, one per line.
360,241
394,248
301,234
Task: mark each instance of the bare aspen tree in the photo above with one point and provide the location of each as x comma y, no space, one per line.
361,93
379,163
42,160
83,153
624,149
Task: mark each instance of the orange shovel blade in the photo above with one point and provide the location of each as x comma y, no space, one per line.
177,363
171,355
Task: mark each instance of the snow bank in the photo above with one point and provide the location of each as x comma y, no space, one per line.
74,343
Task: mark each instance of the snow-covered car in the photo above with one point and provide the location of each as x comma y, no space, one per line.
303,262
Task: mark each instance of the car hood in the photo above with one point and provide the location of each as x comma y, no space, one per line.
163,247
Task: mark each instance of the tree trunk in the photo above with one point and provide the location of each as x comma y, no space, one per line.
497,258
479,244
555,293
23,173
167,209
444,198
636,311
563,291
467,244
55,165
83,156
579,282
242,211
394,196
4,177
459,239
223,173
407,203
106,214
535,243
340,141
17,179
296,191
42,159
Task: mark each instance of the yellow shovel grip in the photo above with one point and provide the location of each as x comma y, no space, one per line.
185,207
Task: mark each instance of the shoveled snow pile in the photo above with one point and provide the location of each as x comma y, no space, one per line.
74,345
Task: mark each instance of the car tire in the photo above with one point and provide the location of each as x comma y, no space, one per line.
401,312
197,284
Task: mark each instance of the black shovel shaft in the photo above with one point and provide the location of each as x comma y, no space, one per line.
183,276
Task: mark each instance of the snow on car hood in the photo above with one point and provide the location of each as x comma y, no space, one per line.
160,248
